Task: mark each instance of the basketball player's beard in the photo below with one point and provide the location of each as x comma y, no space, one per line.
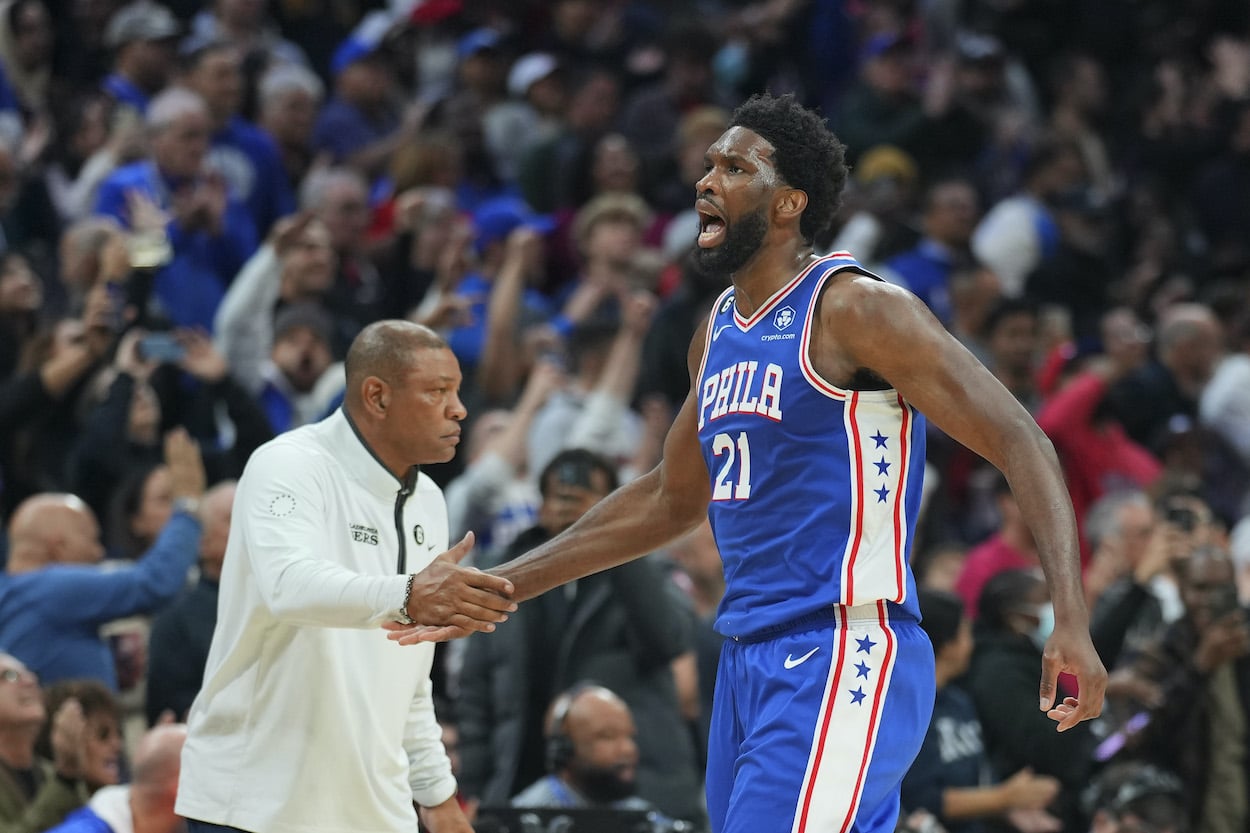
742,240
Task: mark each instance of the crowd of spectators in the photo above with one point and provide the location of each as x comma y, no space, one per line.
202,204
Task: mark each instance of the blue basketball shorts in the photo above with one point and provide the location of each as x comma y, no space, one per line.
814,728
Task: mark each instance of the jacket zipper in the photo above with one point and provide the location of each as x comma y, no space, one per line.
401,497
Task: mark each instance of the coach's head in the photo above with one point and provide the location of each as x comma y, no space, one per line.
403,394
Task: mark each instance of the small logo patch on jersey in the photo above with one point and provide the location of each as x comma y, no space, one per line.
783,318
791,662
724,308
418,535
716,333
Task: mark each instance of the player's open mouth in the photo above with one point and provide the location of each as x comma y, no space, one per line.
711,227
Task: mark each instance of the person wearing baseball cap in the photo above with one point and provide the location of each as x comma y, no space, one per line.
142,37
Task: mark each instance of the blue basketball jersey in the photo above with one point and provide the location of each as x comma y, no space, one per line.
815,488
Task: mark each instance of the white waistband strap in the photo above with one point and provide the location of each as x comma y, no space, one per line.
858,613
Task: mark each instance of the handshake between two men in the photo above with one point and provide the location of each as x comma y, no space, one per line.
448,600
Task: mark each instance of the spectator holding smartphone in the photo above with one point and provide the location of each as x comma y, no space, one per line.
151,392
1201,724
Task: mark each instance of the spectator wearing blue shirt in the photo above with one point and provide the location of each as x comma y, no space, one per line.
142,37
243,154
359,125
55,594
300,378
289,98
951,211
494,221
211,234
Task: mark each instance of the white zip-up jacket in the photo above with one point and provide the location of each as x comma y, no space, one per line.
309,719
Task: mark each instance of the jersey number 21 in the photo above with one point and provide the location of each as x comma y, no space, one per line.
738,452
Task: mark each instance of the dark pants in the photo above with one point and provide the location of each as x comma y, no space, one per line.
194,826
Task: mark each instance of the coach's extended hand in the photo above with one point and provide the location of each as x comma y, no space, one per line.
449,601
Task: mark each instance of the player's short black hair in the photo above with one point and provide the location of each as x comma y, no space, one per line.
807,154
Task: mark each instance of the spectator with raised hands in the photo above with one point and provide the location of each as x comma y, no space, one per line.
55,596
512,299
508,259
241,153
38,419
1130,579
35,792
93,136
594,410
494,497
295,266
1096,453
210,233
1201,666
149,391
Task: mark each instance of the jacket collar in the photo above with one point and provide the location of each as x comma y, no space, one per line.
360,461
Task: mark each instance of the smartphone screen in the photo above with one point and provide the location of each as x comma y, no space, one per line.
161,347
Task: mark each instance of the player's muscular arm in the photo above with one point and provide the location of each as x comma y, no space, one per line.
634,520
867,324
870,325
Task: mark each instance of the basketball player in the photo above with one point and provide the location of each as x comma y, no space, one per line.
803,432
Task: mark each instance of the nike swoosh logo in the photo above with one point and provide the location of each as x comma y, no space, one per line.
791,662
716,333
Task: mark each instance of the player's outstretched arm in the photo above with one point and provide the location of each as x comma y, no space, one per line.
636,519
873,325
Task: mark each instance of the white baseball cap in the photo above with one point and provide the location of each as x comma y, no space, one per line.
528,70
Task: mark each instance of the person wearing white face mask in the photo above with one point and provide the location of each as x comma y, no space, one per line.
950,777
1015,620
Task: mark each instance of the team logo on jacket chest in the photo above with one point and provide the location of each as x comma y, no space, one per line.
742,388
362,534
